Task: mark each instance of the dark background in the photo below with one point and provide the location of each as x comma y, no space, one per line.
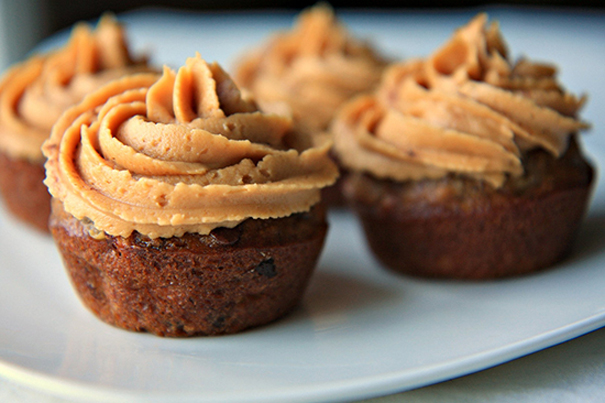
63,13
25,23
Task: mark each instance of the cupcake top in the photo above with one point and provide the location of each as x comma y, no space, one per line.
180,153
33,94
466,110
313,69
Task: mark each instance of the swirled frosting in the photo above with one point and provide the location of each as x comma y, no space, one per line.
33,94
180,153
313,69
466,110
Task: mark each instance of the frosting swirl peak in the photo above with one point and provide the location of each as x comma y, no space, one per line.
180,153
33,94
314,68
464,110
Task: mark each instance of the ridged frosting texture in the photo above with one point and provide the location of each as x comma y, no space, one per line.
33,94
180,153
466,110
313,69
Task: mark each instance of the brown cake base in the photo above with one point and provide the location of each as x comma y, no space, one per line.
332,196
465,229
23,191
224,282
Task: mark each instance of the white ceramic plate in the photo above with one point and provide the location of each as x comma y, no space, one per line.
360,331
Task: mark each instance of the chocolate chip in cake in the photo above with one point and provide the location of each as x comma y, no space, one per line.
266,268
219,322
226,236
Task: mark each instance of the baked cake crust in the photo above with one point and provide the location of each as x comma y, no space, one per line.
23,192
224,282
466,229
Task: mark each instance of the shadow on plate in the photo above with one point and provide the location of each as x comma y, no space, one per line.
591,238
332,293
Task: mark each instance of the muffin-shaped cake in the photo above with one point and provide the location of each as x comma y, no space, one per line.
180,209
33,95
465,165
310,72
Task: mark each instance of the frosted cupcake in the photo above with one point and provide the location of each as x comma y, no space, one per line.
180,209
465,164
33,94
310,71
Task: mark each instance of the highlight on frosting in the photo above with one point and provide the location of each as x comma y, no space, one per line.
313,68
33,94
180,153
466,109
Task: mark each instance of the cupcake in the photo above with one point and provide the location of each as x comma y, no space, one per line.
464,164
180,209
310,71
33,94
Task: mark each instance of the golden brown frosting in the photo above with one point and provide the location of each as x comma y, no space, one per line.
33,94
314,69
182,153
465,110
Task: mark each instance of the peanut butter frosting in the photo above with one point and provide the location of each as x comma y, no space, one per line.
180,153
466,110
33,94
313,69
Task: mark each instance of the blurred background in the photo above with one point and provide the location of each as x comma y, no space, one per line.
45,17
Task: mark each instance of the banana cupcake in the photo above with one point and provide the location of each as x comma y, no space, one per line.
466,165
310,71
33,94
180,209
